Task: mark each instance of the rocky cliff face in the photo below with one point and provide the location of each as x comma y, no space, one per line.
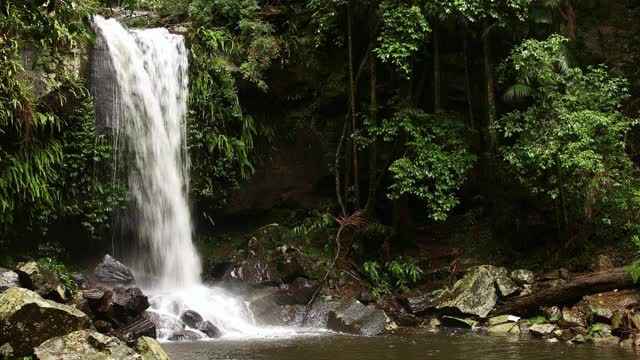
305,105
610,33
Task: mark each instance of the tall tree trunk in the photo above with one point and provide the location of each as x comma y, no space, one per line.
467,81
437,95
490,83
569,16
352,93
373,115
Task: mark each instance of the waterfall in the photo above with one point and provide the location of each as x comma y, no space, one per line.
140,81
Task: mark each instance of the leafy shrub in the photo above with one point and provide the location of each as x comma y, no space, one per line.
61,270
397,274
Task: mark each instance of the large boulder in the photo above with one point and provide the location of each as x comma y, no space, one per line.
150,349
112,272
41,280
317,315
8,279
129,303
27,320
83,345
353,317
474,294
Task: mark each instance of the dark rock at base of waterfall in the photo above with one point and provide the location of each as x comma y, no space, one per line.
209,329
8,279
195,321
352,317
129,302
120,306
42,281
136,329
185,335
191,318
111,271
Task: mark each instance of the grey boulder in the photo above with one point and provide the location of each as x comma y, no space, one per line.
353,317
474,294
112,272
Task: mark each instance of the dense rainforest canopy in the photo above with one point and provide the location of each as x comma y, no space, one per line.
488,120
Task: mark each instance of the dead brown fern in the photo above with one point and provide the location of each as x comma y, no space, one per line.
354,221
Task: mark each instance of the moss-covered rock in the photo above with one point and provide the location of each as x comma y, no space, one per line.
84,345
474,294
150,349
27,320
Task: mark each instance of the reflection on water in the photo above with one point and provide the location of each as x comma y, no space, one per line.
436,346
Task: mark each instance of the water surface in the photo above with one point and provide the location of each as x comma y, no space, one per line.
434,346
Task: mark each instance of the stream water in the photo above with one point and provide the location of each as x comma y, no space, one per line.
435,346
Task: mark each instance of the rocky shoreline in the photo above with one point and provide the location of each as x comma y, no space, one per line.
107,317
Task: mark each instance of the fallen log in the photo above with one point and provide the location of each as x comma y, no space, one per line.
568,293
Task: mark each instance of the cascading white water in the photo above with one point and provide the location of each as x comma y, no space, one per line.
151,68
149,110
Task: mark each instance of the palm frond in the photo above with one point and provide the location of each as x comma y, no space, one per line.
517,93
564,60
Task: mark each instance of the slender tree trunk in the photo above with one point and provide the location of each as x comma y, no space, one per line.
348,171
437,95
352,93
467,81
491,95
336,167
373,116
